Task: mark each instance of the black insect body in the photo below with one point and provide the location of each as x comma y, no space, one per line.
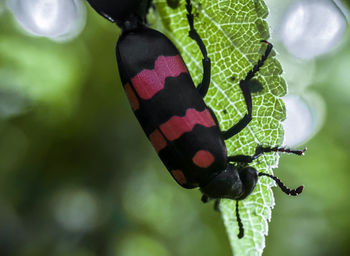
121,11
182,128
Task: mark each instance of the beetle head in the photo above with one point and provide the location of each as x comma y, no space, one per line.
236,182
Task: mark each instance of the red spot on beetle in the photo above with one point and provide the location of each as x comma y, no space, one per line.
203,158
176,125
148,82
157,139
134,102
179,176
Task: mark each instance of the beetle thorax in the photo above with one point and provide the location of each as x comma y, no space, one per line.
132,22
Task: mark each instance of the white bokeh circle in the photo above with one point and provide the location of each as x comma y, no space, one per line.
59,20
312,27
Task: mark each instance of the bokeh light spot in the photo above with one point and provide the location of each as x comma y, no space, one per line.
45,14
311,28
305,116
76,210
59,20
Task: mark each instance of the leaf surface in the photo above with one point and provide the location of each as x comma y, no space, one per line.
231,31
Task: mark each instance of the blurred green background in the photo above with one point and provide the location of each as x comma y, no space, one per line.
79,178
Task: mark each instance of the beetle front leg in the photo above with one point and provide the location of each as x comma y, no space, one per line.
217,205
205,199
244,85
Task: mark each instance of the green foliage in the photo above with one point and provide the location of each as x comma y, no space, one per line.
232,30
40,72
66,129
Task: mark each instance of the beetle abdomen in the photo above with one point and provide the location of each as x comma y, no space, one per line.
169,108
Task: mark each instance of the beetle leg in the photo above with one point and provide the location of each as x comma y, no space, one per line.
244,85
206,199
241,124
204,85
217,205
241,159
257,67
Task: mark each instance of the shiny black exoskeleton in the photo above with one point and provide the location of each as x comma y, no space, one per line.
171,110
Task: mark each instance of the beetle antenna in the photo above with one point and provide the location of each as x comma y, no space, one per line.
288,191
283,150
240,224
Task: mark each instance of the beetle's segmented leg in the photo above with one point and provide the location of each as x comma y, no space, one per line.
241,159
257,67
241,124
217,205
205,199
204,85
244,85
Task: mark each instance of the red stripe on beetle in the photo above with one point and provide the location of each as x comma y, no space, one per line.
134,102
203,158
148,82
179,176
157,139
176,125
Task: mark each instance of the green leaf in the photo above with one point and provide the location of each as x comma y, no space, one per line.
232,30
